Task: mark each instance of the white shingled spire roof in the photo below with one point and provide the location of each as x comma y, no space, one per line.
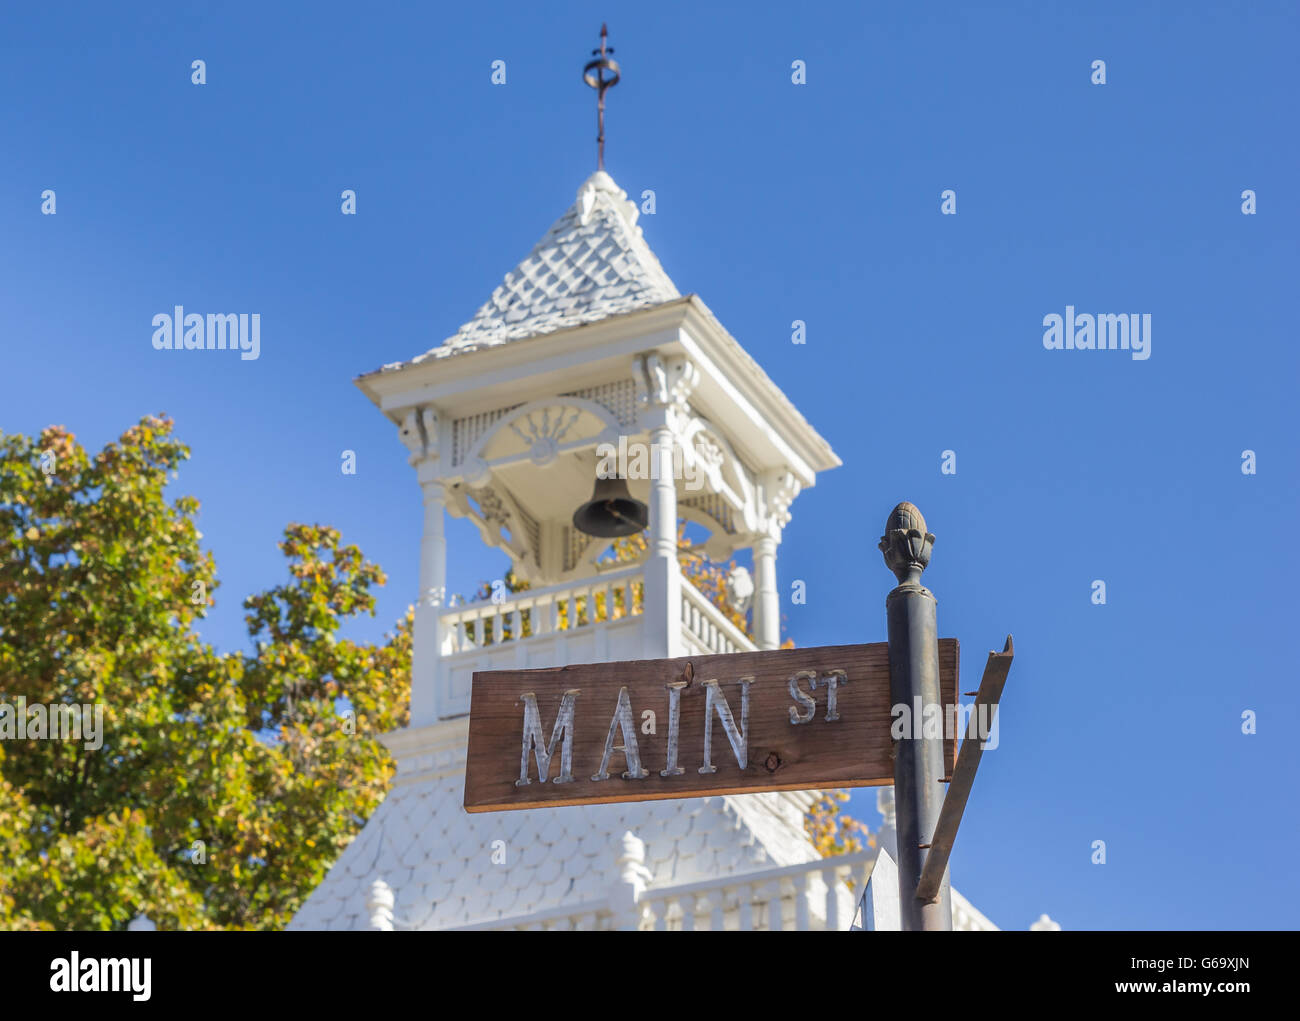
592,263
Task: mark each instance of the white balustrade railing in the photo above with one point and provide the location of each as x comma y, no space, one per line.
575,605
566,607
813,895
809,896
707,625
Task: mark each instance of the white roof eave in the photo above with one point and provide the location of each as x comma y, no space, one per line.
686,323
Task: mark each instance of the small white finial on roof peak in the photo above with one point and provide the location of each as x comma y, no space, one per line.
601,183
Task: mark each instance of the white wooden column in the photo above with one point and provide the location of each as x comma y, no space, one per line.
426,640
767,600
663,576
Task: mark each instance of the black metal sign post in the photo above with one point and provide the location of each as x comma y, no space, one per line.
926,819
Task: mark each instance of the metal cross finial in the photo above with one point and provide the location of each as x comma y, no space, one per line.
594,75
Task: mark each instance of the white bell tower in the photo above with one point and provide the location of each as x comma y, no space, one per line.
585,358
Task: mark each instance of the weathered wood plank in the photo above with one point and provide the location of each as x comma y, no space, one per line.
620,715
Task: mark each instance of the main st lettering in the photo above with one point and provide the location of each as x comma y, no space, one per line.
623,724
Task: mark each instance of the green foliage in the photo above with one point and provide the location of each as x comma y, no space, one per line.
226,784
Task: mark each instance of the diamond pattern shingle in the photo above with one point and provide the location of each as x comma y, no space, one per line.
592,263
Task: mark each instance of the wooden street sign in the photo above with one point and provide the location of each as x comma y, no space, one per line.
786,719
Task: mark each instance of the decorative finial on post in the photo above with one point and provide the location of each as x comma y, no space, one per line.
594,75
914,680
906,544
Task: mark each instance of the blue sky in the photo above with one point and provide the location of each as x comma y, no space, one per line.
775,202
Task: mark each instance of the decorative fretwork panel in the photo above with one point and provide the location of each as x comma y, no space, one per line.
618,398
466,431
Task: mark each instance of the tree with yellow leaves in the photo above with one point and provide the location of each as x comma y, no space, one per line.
225,785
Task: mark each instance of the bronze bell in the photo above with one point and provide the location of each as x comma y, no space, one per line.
611,512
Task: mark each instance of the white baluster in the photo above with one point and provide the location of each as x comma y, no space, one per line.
801,902
627,889
746,894
688,913
718,914
517,624
774,920
831,877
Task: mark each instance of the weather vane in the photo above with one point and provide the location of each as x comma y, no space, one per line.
594,75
